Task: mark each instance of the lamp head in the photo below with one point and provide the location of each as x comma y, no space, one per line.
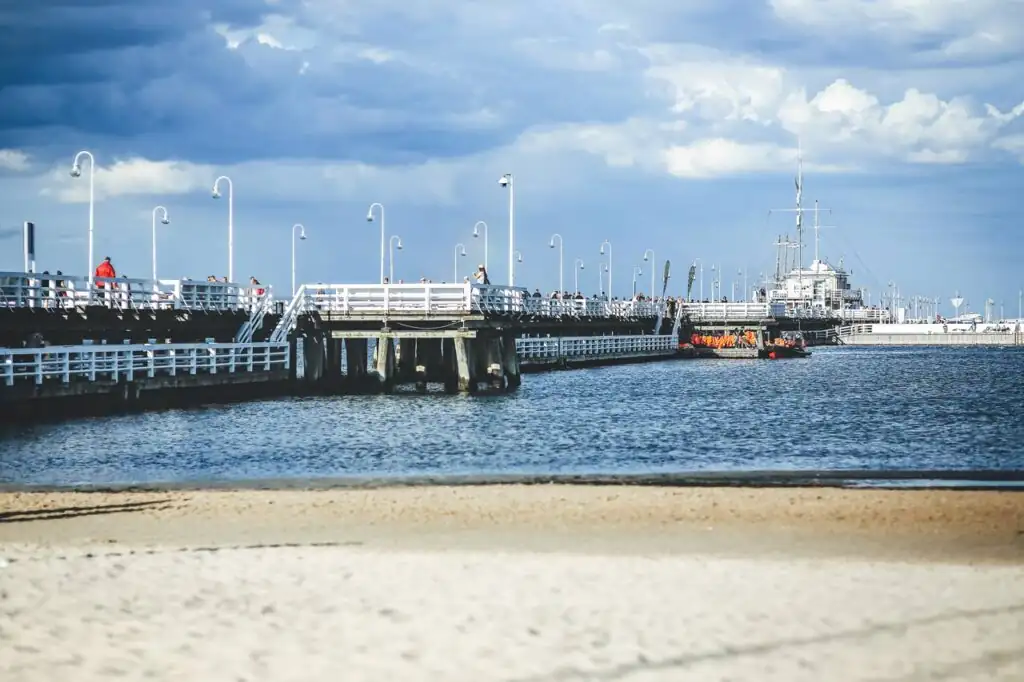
581,266
519,259
76,171
476,232
399,245
602,249
166,221
504,181
369,217
645,257
215,193
551,244
302,236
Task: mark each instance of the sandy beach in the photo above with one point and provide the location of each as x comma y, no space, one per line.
541,582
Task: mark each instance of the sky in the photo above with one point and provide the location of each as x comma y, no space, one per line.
669,125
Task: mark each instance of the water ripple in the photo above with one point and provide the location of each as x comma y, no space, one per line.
882,409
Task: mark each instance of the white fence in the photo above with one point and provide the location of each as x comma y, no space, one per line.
110,362
34,290
727,311
594,347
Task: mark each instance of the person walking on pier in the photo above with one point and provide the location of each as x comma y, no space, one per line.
106,270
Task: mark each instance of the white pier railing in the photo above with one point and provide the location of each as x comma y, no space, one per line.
371,300
35,290
727,311
111,362
583,347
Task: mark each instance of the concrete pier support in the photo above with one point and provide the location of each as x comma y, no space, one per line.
510,361
315,356
355,360
429,362
465,366
492,362
405,360
334,358
384,364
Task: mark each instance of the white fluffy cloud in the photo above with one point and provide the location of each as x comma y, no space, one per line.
13,160
129,177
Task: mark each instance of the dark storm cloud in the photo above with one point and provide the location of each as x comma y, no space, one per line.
156,79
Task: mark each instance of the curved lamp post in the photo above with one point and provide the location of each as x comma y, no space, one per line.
302,235
476,233
460,250
637,270
609,268
164,221
508,181
231,221
76,172
653,269
369,219
391,256
561,259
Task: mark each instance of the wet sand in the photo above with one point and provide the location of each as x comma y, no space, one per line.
517,582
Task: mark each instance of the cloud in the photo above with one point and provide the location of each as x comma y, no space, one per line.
13,160
953,28
129,177
1013,144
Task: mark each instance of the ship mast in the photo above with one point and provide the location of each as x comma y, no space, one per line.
800,219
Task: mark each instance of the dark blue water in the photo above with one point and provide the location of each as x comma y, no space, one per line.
843,408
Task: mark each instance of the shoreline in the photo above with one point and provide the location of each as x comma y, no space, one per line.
905,525
938,479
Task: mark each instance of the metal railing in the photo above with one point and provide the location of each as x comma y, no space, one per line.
34,290
355,300
727,311
580,347
109,362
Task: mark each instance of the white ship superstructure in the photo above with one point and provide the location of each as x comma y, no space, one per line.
820,290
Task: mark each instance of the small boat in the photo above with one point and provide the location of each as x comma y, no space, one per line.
782,352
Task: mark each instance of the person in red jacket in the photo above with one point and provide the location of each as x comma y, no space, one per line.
105,269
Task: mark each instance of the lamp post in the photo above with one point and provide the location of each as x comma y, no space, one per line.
698,261
391,256
369,219
653,269
609,268
76,172
561,259
165,221
302,235
746,292
476,233
714,280
636,271
231,221
577,266
508,181
460,250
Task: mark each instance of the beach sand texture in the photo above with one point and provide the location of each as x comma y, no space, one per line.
513,583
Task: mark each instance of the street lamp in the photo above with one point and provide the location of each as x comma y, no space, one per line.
653,269
76,172
577,266
561,259
369,219
476,233
519,256
391,255
460,250
608,269
165,221
302,235
508,181
697,261
636,271
231,221
746,292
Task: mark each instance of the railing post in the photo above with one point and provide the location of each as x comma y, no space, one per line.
172,357
38,359
150,363
8,369
266,358
193,353
249,357
213,360
231,358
